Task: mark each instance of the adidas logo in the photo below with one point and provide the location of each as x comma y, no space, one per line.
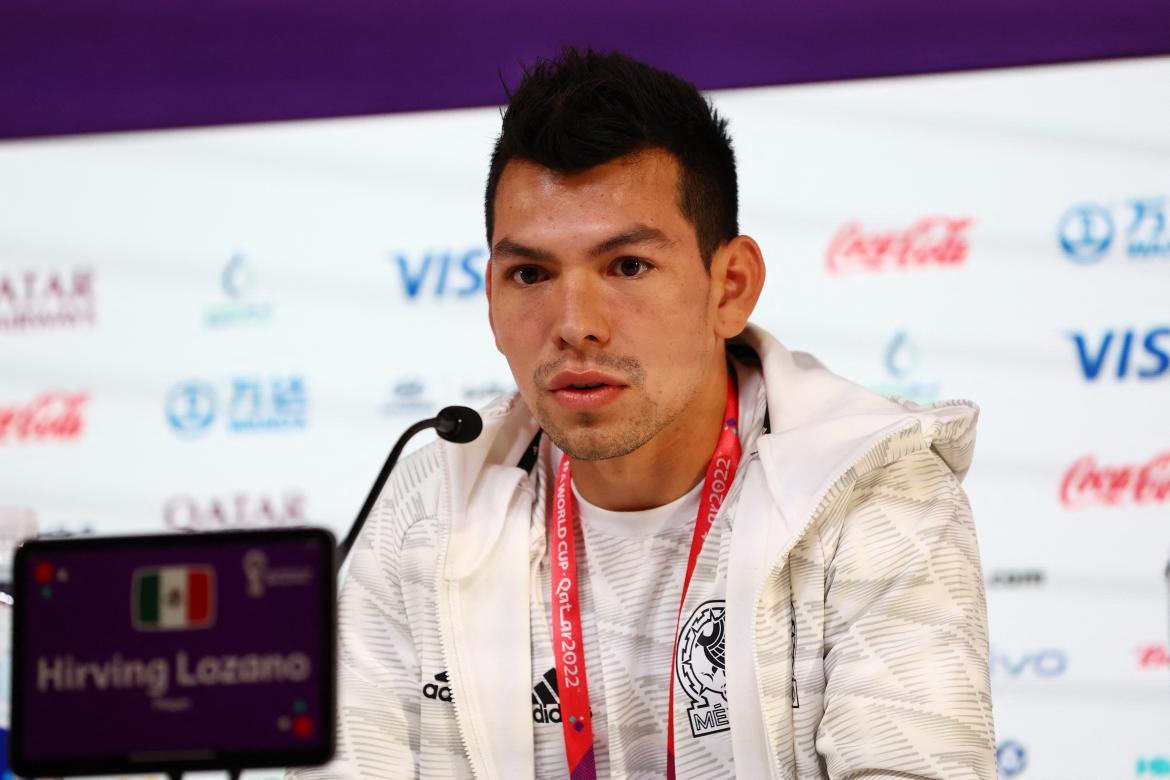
432,691
546,702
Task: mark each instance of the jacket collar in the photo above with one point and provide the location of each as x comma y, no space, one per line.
822,425
478,504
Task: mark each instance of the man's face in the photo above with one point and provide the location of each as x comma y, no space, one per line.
600,302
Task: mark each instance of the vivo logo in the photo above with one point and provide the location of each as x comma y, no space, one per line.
1037,663
442,274
1124,353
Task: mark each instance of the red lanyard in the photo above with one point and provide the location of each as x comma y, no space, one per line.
568,647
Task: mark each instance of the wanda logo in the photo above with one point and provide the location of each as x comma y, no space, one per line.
931,242
1088,484
51,416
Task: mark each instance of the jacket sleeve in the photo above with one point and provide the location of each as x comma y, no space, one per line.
378,670
907,689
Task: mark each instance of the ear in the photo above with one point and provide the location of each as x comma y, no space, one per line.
737,278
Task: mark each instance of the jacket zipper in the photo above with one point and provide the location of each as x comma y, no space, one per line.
836,483
448,640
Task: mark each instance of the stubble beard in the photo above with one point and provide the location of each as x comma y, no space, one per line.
591,436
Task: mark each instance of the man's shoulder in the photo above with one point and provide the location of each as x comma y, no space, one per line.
919,475
416,500
409,503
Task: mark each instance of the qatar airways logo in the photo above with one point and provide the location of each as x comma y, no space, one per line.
51,416
38,298
234,510
931,242
1088,483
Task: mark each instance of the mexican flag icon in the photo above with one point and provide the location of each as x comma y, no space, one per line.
173,598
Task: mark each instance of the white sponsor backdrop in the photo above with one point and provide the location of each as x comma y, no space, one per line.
233,325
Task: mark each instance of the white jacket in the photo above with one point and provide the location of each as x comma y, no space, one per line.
856,621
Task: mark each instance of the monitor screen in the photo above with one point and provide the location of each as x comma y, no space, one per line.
174,652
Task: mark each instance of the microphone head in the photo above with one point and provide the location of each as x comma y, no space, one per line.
458,424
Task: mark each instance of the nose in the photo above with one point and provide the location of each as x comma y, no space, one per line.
582,314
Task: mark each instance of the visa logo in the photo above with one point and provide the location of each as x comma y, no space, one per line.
1038,663
442,274
1124,353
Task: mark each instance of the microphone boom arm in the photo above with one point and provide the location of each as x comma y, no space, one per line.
453,423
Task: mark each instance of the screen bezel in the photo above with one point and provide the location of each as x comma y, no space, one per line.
111,764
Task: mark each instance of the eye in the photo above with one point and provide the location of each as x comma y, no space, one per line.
527,275
631,267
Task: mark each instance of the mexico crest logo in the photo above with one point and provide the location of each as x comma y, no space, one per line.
701,668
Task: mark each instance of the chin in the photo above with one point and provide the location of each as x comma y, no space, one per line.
597,443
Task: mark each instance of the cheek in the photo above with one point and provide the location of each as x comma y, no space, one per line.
517,332
508,319
675,334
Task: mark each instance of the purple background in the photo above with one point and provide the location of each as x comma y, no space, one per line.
88,617
78,67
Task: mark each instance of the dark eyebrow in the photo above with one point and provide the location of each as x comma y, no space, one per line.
638,234
506,247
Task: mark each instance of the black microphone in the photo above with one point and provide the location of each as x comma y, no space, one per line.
458,424
454,423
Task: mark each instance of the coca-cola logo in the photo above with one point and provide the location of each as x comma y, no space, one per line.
40,298
51,416
1087,483
931,242
234,510
1153,656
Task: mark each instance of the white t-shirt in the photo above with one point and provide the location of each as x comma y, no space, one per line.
631,576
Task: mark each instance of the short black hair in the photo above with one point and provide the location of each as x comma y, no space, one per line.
585,108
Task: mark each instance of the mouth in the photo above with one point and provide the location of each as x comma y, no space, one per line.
584,391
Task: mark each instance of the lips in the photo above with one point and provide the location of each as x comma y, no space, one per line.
584,391
582,379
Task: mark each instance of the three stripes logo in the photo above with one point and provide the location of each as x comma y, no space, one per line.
546,700
173,598
439,689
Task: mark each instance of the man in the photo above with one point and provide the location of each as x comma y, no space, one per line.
681,550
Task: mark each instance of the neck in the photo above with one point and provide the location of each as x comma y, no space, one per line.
668,465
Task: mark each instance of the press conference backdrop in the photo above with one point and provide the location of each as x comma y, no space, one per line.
228,328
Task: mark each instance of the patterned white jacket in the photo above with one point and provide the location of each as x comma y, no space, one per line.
856,620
